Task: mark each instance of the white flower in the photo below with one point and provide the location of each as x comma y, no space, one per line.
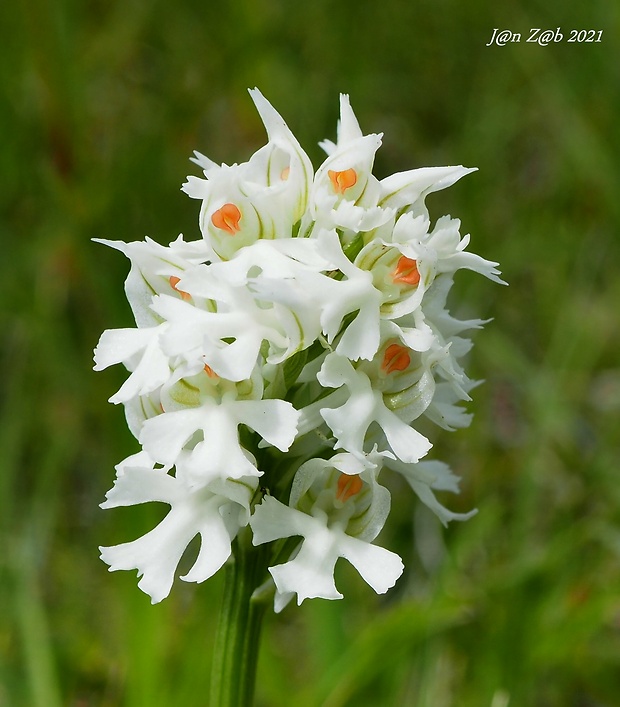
229,339
214,511
155,269
337,513
262,198
365,405
217,451
259,296
345,193
140,351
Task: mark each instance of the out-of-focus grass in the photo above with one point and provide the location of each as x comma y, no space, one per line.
101,105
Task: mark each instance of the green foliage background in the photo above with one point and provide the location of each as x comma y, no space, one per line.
101,104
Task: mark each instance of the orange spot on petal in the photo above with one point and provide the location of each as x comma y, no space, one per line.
341,181
174,281
285,173
396,358
348,486
406,271
227,218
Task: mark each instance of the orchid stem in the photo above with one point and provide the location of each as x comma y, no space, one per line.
237,639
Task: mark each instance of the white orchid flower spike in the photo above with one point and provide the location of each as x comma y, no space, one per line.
282,362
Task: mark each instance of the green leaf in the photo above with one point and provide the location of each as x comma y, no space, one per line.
352,248
293,366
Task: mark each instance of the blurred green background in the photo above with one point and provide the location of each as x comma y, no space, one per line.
101,104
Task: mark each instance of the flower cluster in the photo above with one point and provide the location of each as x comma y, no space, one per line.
279,363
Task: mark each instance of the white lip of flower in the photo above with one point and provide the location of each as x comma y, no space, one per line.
435,310
342,297
365,405
215,512
265,290
140,351
219,453
446,330
338,515
200,334
335,298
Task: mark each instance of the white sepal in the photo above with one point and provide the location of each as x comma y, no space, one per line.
426,477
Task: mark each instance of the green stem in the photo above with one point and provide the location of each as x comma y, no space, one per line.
238,632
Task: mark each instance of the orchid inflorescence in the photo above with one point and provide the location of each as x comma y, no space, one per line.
279,363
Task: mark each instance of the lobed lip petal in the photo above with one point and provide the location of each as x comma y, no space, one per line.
215,547
202,333
151,267
350,421
164,436
310,573
272,520
274,420
140,351
203,511
157,554
377,566
219,454
142,485
407,443
117,345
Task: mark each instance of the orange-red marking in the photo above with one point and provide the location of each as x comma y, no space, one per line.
341,181
227,218
406,271
396,358
174,281
348,486
210,372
